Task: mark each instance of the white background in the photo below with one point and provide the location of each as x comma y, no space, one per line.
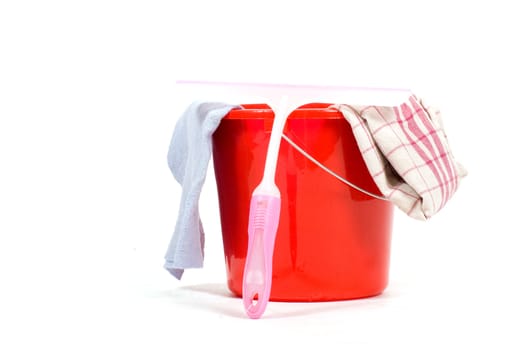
87,204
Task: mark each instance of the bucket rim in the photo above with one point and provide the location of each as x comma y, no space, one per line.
307,111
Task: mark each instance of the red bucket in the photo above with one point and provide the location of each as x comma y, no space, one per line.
333,241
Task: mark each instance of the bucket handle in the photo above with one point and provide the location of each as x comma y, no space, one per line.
329,171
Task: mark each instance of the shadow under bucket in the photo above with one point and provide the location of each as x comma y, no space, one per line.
333,241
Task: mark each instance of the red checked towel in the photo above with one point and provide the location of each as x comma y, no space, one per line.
407,153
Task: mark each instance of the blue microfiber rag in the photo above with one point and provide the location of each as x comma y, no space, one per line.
188,158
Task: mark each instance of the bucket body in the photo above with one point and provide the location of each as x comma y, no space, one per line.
333,241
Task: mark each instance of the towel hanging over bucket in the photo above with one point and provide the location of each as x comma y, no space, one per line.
188,157
407,153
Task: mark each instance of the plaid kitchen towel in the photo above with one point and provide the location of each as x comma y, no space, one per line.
407,154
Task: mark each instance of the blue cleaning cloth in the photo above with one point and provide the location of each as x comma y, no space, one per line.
188,158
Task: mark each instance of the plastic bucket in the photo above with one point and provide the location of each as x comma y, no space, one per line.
333,241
